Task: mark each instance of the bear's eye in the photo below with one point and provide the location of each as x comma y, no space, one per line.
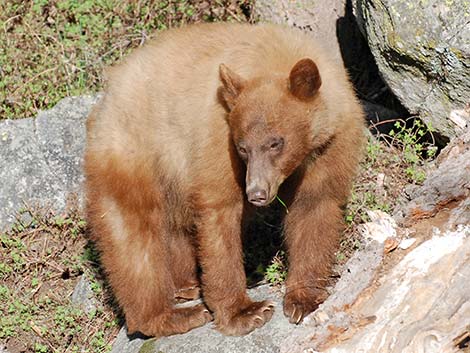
242,150
277,145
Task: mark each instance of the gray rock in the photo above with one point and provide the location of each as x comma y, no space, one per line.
126,344
355,277
447,185
423,52
83,296
40,158
318,17
461,214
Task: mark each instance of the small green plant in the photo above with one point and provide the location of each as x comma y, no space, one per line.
362,201
66,319
98,342
96,287
40,348
34,282
5,269
340,257
11,242
90,255
410,140
276,272
374,150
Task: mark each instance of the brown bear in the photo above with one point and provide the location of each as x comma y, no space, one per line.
196,128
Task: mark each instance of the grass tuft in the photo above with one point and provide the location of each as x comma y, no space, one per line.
54,49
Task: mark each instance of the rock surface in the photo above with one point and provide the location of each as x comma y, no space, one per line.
40,158
422,49
446,186
83,296
318,17
356,276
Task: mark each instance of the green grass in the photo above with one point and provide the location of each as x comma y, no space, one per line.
283,204
53,49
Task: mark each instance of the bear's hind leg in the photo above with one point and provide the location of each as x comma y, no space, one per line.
136,257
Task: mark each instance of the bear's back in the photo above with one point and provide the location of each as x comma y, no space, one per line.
161,102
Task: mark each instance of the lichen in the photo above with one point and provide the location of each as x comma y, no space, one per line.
148,346
458,53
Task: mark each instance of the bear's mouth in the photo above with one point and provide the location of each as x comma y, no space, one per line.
262,198
261,203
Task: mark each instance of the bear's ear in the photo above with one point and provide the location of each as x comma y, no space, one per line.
304,79
232,86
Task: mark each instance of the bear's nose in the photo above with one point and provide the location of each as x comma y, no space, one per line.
258,197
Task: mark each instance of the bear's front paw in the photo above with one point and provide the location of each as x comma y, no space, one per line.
298,304
244,321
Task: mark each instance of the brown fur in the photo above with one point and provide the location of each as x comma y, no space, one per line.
165,184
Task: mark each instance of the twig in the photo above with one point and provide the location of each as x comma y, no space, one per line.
38,332
36,230
34,78
6,22
235,16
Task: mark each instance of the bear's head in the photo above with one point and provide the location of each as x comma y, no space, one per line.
271,120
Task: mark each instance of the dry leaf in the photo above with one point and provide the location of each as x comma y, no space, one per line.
390,244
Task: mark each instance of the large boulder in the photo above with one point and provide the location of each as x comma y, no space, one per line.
318,17
41,158
447,187
422,49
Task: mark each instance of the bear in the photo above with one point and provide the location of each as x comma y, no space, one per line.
196,129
